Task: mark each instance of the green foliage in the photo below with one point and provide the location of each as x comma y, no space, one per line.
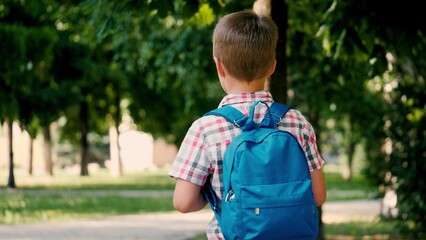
178,75
173,79
12,52
392,49
204,16
166,51
405,130
60,70
359,67
89,79
36,93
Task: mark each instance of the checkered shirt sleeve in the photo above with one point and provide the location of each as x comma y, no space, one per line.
295,123
192,162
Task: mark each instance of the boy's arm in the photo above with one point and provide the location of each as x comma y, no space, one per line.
187,197
318,186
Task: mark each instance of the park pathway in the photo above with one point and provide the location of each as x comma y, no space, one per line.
161,226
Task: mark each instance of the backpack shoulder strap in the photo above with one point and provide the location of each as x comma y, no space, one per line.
211,197
231,114
278,111
237,118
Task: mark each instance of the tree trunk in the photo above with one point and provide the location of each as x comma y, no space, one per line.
347,175
11,181
116,164
278,81
84,121
30,155
48,165
114,147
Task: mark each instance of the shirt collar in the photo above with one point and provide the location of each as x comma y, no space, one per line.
236,98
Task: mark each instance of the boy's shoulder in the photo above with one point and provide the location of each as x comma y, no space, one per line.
208,123
295,114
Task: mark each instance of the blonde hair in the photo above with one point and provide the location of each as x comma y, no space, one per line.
245,44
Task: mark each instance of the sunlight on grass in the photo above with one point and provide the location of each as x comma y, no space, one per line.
21,207
358,188
360,228
363,230
101,179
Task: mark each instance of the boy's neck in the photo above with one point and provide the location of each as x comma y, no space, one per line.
240,86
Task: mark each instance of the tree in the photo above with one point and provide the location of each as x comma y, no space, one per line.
12,49
88,84
171,40
78,78
35,92
393,48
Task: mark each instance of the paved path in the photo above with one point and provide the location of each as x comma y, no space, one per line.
161,226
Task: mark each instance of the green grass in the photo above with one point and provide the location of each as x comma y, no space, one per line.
67,196
362,230
21,207
358,188
335,181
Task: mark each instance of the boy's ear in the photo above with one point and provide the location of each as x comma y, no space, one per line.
219,67
272,70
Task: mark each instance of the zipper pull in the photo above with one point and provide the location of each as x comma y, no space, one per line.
229,196
257,211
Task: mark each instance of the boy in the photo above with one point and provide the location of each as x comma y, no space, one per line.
244,53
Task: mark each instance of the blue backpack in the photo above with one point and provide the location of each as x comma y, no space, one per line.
267,187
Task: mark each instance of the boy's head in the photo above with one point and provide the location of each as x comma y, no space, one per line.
245,44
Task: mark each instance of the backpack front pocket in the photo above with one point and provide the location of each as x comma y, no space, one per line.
279,211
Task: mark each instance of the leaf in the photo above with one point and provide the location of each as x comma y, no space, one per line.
104,30
339,44
87,3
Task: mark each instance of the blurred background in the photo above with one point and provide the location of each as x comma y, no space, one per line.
108,89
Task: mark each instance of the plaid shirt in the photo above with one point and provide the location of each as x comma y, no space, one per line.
204,145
